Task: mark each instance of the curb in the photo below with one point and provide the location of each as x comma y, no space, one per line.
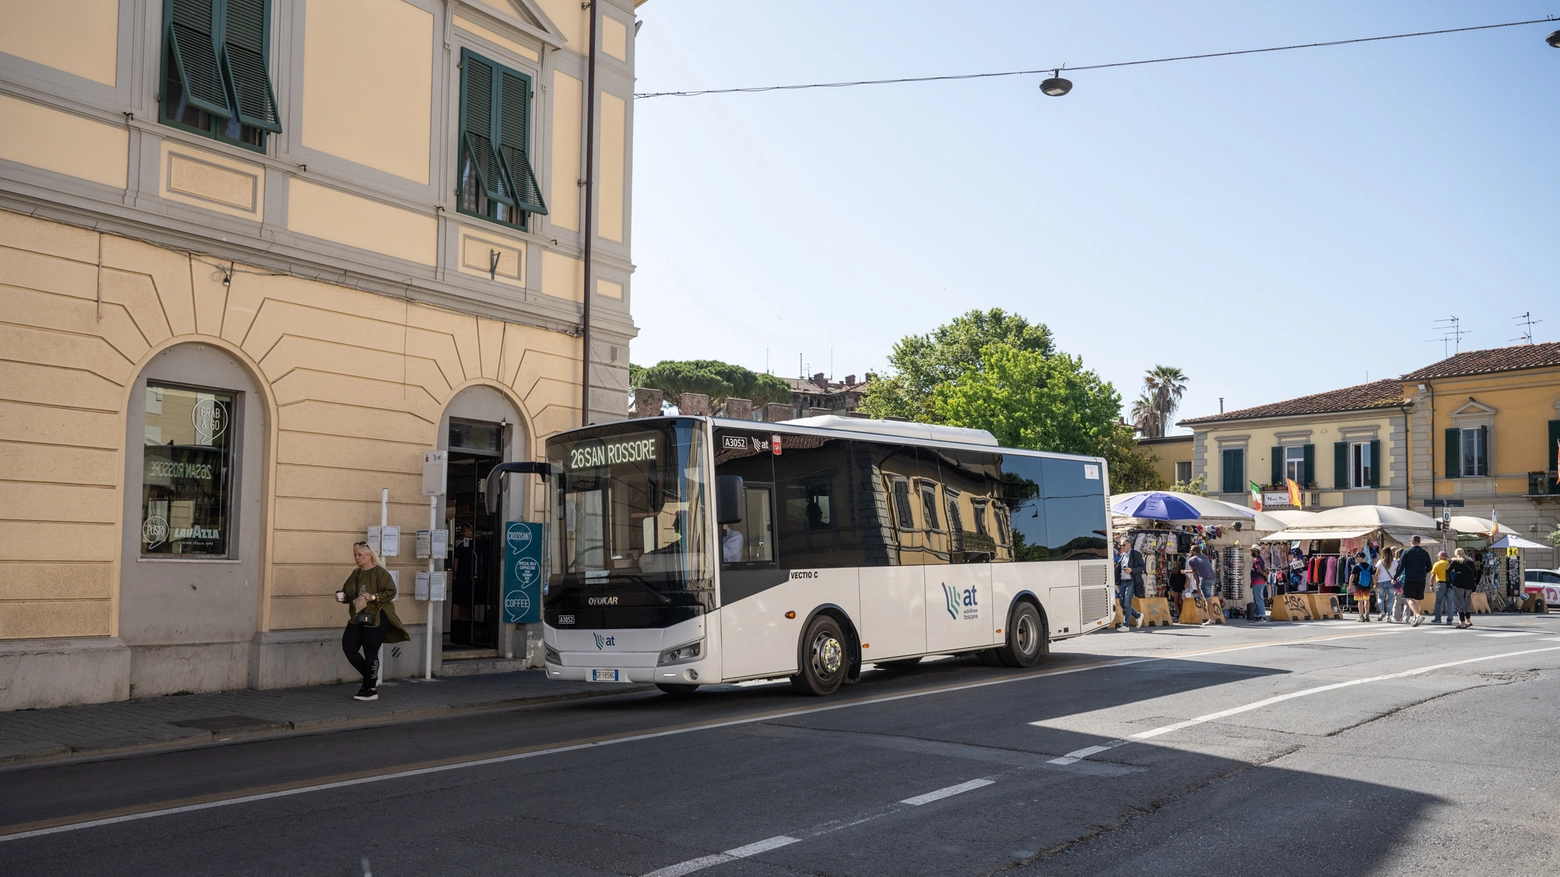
32,754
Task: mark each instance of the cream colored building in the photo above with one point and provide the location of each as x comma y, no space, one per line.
255,257
1343,447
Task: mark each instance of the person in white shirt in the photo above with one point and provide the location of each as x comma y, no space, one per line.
1387,597
731,544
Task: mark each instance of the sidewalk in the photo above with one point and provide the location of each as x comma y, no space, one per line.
180,722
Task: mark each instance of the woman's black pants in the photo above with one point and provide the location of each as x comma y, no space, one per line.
361,643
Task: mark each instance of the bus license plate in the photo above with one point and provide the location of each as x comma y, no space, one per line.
604,676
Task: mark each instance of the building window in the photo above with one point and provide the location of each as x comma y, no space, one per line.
495,177
1362,466
902,504
1294,463
1475,456
1183,471
1234,474
214,62
186,481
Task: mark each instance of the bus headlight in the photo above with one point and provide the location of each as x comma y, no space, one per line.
550,655
681,654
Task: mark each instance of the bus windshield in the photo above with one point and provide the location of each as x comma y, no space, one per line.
633,528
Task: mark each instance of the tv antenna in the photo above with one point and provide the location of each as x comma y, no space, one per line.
1527,321
1452,334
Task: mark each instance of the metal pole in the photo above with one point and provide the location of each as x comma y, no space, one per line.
433,523
590,200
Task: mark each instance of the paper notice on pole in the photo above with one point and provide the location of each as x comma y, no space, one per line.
436,586
373,539
395,576
391,537
422,586
424,544
441,543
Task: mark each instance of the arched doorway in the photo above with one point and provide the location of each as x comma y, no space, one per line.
480,429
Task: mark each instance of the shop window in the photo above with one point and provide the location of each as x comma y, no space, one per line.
214,70
494,172
186,482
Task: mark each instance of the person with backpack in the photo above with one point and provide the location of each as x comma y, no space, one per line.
1359,584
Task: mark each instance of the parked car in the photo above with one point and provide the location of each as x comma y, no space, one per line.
1544,582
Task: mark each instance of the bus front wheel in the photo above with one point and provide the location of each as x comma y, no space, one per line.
822,658
1027,640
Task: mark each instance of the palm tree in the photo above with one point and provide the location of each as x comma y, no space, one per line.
1146,418
1165,385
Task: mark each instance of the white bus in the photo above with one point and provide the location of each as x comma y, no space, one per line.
687,551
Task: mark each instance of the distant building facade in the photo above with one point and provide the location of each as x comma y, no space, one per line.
1172,456
818,394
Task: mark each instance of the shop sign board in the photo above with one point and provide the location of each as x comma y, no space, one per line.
522,573
1276,500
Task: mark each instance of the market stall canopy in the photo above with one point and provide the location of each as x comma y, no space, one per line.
1512,540
1467,525
1142,505
1266,522
1291,517
1307,534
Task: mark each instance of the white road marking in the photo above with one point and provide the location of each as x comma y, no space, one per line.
1512,633
635,738
949,792
1081,754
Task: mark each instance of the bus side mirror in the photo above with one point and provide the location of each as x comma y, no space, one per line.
728,499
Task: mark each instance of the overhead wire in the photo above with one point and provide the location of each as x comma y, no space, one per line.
1058,68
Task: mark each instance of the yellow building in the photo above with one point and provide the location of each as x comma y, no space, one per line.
256,256
1172,456
1486,427
1343,447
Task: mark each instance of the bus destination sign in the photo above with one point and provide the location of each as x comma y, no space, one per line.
597,454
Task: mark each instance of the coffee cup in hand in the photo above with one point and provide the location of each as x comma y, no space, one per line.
341,596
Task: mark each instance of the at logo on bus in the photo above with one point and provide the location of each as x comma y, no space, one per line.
961,603
604,641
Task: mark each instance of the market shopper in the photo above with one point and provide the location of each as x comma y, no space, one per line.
1130,567
1413,568
1202,569
371,618
1384,576
1359,584
1463,576
1259,585
1443,591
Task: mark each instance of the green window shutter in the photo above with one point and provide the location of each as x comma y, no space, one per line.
514,115
192,53
1234,474
478,82
1550,451
244,52
1340,465
1278,467
1453,452
1310,465
1484,451
1375,463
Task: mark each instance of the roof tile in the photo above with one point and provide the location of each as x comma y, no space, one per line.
1496,359
1376,394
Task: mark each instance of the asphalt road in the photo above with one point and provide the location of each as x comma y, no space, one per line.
1305,749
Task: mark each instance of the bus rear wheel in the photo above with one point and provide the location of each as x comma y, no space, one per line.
822,658
676,689
1027,639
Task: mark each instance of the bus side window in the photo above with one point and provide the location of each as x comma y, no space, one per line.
1020,494
1075,510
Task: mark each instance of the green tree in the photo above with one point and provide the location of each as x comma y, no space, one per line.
922,363
1163,386
718,380
1030,400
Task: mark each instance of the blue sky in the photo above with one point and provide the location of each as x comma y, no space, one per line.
1275,224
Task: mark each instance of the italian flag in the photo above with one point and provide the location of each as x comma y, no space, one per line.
1256,495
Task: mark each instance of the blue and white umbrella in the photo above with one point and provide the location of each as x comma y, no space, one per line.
1155,505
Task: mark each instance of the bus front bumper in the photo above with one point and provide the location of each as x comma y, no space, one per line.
625,667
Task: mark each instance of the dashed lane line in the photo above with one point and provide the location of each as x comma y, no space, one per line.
1088,751
1510,633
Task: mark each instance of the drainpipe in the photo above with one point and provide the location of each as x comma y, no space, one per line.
590,200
